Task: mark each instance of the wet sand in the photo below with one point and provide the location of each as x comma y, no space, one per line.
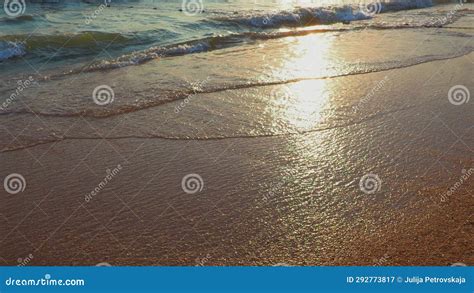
280,184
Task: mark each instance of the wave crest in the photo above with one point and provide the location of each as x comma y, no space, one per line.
300,17
297,18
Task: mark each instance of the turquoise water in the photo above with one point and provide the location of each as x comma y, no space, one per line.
98,35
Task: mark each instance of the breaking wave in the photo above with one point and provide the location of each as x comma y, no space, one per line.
316,15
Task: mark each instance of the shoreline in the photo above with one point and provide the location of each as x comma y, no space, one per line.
286,199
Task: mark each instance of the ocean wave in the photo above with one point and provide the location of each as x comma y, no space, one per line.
11,49
170,96
295,18
139,57
235,39
309,16
84,39
195,46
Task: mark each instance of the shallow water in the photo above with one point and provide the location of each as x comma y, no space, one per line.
269,74
73,34
280,122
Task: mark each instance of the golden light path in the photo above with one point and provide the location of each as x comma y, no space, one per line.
300,104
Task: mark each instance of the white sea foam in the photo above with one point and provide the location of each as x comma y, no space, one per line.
313,15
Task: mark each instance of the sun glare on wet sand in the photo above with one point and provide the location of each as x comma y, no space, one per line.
236,133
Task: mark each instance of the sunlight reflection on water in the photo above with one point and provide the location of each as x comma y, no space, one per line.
301,104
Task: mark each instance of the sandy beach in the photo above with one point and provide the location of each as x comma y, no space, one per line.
341,147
